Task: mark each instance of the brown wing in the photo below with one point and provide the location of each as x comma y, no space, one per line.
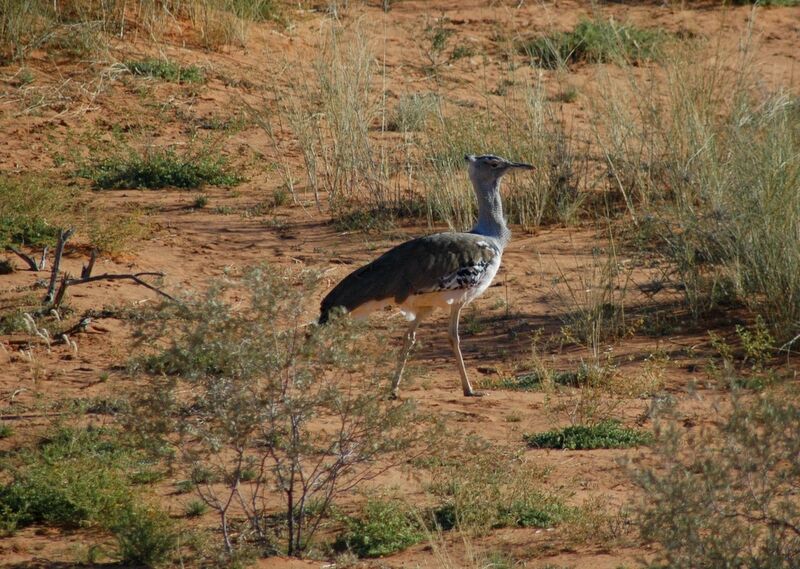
422,265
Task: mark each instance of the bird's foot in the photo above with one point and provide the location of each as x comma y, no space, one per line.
393,396
475,393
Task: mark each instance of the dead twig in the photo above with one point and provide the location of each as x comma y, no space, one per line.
30,261
136,277
63,236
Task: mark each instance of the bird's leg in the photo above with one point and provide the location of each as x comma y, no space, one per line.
411,339
455,343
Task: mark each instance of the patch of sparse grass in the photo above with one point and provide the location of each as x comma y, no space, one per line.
608,434
729,154
384,526
412,111
492,488
166,70
32,209
156,168
6,431
595,41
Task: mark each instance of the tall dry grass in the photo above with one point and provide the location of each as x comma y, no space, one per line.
82,27
707,163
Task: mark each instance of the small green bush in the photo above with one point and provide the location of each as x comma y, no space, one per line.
6,431
160,168
384,526
608,434
595,41
196,508
76,479
145,536
166,70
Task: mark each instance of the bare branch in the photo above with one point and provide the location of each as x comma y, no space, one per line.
136,277
30,261
86,271
63,236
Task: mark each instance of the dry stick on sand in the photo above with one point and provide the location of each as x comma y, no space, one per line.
63,236
30,261
66,282
54,298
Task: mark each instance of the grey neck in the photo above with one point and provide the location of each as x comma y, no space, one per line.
491,222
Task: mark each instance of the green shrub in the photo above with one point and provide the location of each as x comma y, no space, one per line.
239,373
158,168
166,70
196,508
75,479
145,536
383,527
6,431
32,209
595,41
727,496
608,434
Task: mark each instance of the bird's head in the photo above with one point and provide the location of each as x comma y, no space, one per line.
488,169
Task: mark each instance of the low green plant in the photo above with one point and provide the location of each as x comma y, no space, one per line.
76,479
726,496
166,70
384,526
595,41
196,508
32,209
608,434
412,111
6,431
145,536
159,168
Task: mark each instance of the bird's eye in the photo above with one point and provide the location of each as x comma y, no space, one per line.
495,164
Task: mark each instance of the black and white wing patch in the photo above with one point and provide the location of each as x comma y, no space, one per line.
472,272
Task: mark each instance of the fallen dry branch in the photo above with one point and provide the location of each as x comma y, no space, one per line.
136,277
30,261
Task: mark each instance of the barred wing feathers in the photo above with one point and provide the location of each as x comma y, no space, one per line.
445,261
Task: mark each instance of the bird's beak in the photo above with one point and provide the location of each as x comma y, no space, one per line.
521,166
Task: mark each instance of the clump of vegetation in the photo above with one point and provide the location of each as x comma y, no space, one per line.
726,497
708,170
383,527
608,434
166,70
595,41
489,488
411,112
76,28
242,387
159,168
76,478
31,210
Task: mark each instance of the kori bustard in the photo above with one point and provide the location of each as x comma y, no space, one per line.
445,270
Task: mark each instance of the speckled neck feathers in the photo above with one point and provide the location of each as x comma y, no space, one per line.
491,222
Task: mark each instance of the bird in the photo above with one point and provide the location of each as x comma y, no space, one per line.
440,271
